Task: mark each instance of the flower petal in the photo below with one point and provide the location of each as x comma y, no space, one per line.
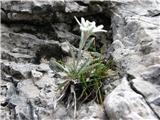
100,27
92,26
83,28
87,23
83,23
77,20
96,30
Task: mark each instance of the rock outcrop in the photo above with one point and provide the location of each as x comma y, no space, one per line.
32,32
136,41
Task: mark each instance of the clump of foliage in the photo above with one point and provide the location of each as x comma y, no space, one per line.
85,76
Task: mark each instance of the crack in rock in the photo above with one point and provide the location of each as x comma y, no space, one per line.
131,83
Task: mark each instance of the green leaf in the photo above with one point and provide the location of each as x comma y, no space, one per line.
89,43
89,68
73,56
84,65
58,65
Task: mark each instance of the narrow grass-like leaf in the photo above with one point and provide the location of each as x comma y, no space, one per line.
61,67
62,85
73,56
89,68
89,43
84,65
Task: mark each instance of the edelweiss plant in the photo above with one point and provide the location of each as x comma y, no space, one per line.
87,29
84,75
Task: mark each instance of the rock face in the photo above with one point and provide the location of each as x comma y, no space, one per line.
136,41
32,32
124,103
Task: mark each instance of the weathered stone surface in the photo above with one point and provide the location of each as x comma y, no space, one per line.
152,74
63,35
74,7
136,42
32,32
35,12
19,71
93,111
124,103
26,47
3,15
16,56
39,12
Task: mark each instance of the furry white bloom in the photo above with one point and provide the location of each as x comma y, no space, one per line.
88,26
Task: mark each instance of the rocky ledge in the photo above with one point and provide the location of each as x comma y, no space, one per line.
34,31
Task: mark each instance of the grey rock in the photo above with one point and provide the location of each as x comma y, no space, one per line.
66,36
62,26
137,39
12,103
17,70
124,103
44,68
136,53
152,74
93,111
150,92
96,8
156,102
60,113
74,7
40,12
26,86
27,11
16,6
65,47
63,35
33,33
36,74
3,15
17,57
27,48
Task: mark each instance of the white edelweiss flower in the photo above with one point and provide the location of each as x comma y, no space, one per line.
89,26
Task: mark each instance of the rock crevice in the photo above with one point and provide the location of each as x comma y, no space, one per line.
131,83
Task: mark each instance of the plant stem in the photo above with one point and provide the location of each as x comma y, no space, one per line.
75,101
84,37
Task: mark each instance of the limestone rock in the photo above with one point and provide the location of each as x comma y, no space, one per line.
36,74
124,103
74,7
19,71
32,33
136,52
